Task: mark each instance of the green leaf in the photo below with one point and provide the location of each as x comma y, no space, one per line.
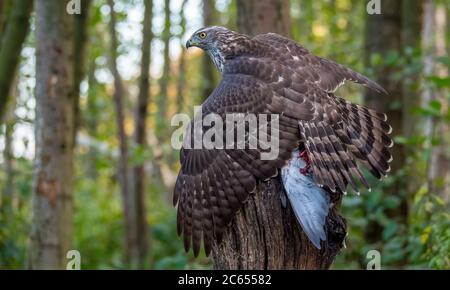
440,82
444,60
390,230
391,202
435,104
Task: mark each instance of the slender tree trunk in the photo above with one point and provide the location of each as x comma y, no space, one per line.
165,79
265,233
306,18
208,80
411,41
15,32
8,161
8,187
4,13
129,206
91,121
438,167
80,40
181,81
411,37
182,62
161,120
51,232
384,36
428,46
140,136
2,8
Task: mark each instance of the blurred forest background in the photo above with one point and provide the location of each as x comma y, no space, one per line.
86,102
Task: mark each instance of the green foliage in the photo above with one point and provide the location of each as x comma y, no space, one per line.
15,219
168,251
98,224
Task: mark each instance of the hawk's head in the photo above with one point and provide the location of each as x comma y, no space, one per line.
219,42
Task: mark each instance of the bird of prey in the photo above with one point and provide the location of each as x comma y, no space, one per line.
322,137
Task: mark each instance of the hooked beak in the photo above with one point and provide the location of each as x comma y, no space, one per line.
190,43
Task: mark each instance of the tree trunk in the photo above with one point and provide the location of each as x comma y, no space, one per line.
261,16
305,20
5,8
428,46
208,80
80,40
8,189
182,62
91,121
384,36
411,40
411,37
265,233
438,166
130,247
140,137
165,79
15,31
51,232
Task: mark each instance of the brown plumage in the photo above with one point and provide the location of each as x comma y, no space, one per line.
274,75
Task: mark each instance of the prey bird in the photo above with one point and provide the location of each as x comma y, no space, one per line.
323,138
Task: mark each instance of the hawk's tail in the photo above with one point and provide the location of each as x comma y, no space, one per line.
365,133
357,133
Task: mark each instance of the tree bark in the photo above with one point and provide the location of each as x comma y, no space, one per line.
411,40
306,20
261,16
438,166
129,206
384,36
91,121
428,46
80,40
182,62
15,32
140,137
265,233
165,79
52,220
5,7
6,199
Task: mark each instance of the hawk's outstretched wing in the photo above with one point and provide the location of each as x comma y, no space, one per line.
327,74
213,184
284,79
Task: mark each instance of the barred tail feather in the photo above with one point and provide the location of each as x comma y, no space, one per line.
367,133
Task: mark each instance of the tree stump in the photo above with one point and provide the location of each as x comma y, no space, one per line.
265,235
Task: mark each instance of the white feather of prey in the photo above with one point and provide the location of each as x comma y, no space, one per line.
309,201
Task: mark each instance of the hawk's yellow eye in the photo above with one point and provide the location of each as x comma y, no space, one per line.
202,35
